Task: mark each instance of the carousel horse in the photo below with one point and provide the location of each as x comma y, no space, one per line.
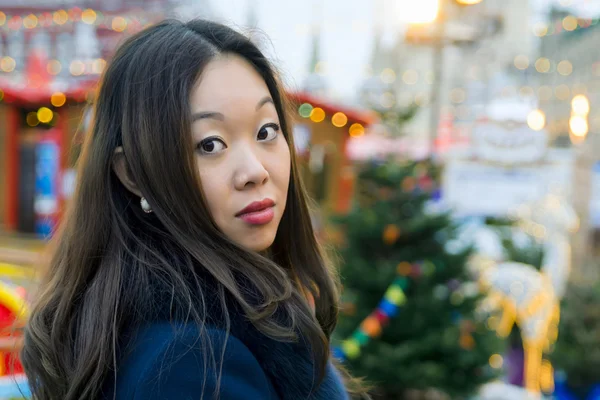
530,298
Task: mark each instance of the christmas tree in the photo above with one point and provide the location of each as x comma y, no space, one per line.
409,320
577,350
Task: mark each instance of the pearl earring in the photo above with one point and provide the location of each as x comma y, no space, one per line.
145,205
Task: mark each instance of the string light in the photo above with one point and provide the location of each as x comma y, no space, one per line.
356,130
542,65
569,23
54,67
410,77
536,120
521,62
89,16
388,76
317,114
339,119
45,115
58,99
565,68
7,64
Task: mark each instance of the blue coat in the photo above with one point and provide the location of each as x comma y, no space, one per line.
166,362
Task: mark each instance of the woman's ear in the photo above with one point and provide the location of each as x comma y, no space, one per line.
119,165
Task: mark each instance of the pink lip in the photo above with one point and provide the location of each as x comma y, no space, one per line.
258,212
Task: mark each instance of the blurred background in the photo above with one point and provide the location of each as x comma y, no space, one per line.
452,148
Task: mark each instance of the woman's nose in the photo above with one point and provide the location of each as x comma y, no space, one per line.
250,170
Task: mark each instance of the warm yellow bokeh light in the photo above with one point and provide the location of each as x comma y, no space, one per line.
410,77
58,99
540,29
317,114
30,21
98,66
542,65
496,361
45,115
54,67
521,62
60,17
536,120
562,92
339,119
8,64
421,12
569,23
32,119
88,16
578,126
565,67
580,105
119,24
356,130
2,18
388,75
468,2
77,68
387,100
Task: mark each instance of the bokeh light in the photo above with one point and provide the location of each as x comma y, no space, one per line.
2,18
32,119
536,120
304,110
569,23
387,100
317,114
60,17
77,68
44,114
119,24
58,99
410,77
339,119
521,62
580,105
565,67
98,66
540,29
356,130
421,12
30,21
88,16
496,361
578,126
7,64
54,67
388,76
542,65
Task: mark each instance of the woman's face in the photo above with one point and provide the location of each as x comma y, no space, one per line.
242,156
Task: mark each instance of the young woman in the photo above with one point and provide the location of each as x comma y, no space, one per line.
186,266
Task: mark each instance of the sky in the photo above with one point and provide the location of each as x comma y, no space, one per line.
347,33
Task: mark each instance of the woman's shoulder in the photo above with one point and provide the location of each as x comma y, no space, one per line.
166,360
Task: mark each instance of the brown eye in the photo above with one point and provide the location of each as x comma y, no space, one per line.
268,132
211,146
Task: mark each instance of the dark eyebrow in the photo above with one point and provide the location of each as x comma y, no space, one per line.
220,117
265,100
208,114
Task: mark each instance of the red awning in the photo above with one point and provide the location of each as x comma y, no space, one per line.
37,85
361,116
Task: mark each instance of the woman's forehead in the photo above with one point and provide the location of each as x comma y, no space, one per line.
227,82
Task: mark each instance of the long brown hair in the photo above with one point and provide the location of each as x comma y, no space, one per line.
108,250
